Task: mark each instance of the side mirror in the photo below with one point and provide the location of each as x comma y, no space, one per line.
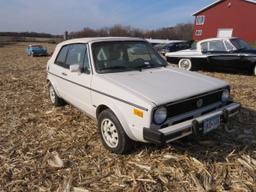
74,68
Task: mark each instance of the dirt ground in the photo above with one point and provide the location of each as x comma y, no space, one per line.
43,148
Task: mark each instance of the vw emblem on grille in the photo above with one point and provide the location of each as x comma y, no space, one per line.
199,103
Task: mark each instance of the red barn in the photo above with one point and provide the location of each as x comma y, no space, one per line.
225,18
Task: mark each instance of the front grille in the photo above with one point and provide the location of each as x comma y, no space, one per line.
191,104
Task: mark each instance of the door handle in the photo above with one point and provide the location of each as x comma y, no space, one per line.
65,74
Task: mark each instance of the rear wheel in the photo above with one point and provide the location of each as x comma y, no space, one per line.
55,99
112,134
185,64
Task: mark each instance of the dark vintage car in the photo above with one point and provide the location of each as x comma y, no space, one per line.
217,53
175,46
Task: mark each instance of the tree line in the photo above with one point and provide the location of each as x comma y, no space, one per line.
180,32
28,34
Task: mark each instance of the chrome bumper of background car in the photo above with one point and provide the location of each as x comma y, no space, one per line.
192,126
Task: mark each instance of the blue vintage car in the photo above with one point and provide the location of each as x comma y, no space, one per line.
36,50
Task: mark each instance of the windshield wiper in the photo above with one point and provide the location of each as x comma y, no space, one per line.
117,67
125,68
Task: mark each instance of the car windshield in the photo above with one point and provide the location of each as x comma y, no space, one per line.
119,56
193,46
240,44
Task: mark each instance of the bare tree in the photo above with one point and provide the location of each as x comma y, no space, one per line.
180,31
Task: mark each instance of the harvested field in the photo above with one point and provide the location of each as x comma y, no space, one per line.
43,148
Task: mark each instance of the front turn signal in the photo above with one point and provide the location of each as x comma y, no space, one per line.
138,113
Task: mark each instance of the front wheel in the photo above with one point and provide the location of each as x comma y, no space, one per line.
185,64
55,99
112,134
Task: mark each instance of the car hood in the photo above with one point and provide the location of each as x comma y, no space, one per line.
164,85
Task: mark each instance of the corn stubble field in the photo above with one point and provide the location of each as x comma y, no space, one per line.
43,148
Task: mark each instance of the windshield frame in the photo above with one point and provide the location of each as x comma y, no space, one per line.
127,69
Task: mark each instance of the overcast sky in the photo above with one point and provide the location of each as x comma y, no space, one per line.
56,16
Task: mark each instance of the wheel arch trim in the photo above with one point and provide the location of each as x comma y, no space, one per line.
119,115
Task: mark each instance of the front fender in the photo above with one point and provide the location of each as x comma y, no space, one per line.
116,109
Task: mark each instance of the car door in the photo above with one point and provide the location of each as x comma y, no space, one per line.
236,61
78,82
246,61
58,72
220,57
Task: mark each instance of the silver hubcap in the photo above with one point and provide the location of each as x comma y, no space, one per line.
185,64
255,70
109,133
52,94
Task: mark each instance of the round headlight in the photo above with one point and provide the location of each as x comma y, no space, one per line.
160,115
225,96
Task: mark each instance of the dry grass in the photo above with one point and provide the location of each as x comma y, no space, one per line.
43,148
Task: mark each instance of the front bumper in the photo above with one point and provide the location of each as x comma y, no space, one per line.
192,126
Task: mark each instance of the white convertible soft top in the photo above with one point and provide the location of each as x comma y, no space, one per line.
99,39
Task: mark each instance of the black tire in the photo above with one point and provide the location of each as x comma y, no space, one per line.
254,70
186,64
124,144
54,98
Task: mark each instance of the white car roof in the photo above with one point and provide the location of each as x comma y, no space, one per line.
99,39
216,39
164,41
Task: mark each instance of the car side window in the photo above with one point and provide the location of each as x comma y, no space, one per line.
61,58
77,55
229,46
216,46
182,46
186,45
179,46
204,46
